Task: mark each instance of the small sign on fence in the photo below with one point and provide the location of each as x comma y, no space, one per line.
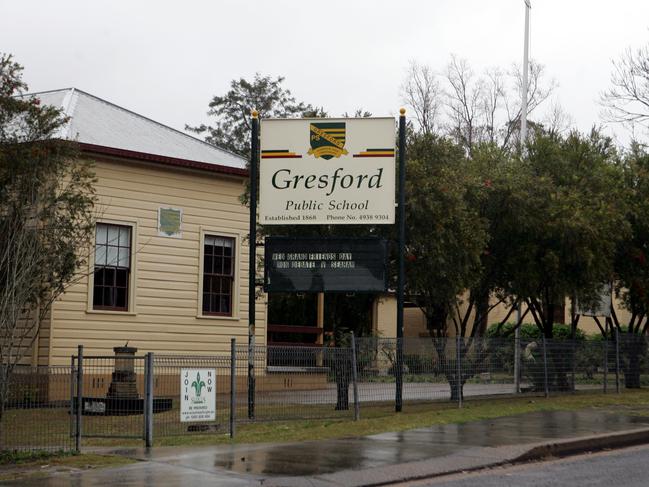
197,395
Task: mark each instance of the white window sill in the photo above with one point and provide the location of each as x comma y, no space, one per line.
109,312
216,317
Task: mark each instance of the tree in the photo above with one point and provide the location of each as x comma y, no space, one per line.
627,101
46,216
446,237
571,217
487,108
570,221
267,95
422,93
631,267
473,108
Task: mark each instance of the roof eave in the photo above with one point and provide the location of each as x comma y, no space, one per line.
170,161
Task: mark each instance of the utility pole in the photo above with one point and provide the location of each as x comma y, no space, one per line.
526,48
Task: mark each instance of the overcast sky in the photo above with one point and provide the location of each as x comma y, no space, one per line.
166,59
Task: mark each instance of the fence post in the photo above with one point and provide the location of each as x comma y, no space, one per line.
458,372
233,384
617,361
605,364
574,364
357,412
148,406
545,368
517,362
77,438
73,375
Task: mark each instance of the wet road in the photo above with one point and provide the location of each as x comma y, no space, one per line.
628,468
336,461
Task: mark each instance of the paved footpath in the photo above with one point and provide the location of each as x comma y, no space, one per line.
371,460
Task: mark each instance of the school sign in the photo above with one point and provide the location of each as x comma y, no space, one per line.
327,171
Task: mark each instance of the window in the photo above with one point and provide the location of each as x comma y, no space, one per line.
218,275
112,267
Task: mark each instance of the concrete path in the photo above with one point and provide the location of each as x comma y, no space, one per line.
370,460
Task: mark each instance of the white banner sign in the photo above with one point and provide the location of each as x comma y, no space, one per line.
327,171
197,395
602,307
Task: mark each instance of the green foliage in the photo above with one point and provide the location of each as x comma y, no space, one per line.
632,268
46,215
532,332
446,235
267,95
569,218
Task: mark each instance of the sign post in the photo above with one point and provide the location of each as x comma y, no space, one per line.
252,257
398,400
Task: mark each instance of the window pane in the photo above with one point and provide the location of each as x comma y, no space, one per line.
227,251
216,285
99,277
206,303
206,284
214,303
225,304
120,297
113,234
208,249
109,276
209,241
111,258
123,259
125,237
227,266
218,265
97,296
121,278
207,264
100,255
102,231
218,243
108,297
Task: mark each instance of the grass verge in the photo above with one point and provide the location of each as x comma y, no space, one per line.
382,418
24,465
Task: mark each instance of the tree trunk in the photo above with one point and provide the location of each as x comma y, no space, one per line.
342,374
457,388
633,347
4,393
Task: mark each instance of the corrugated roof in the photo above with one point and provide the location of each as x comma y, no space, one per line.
100,123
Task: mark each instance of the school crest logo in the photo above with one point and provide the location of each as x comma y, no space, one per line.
327,139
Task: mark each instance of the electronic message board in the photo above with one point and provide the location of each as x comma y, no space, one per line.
303,264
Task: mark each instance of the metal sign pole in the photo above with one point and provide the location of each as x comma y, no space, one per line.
252,257
78,432
233,385
398,400
357,412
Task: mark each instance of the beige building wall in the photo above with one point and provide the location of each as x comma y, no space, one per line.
415,322
166,273
384,316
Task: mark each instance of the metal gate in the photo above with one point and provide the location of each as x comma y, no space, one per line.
111,396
